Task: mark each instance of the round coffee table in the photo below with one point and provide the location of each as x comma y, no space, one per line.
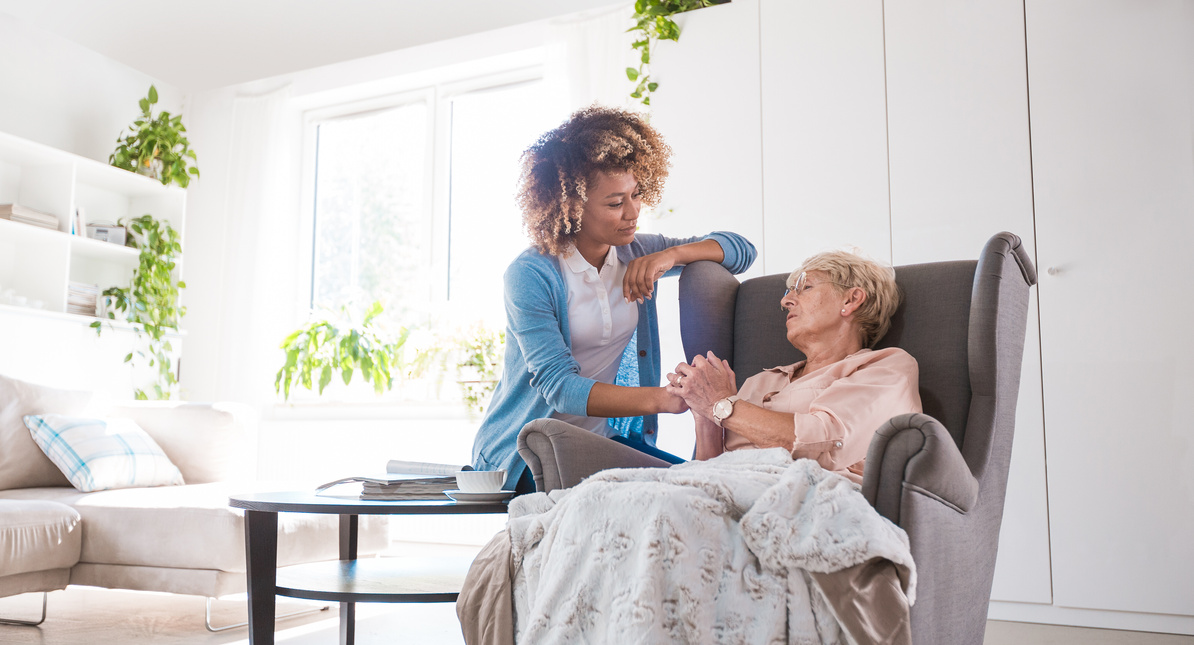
347,580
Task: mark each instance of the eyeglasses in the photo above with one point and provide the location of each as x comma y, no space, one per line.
801,285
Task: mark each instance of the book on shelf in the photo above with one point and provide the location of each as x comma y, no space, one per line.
26,215
81,298
78,224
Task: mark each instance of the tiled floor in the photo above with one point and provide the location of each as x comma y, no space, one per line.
88,616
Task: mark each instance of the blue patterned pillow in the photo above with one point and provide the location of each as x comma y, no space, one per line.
100,454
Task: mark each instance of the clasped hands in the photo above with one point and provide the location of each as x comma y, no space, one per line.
705,381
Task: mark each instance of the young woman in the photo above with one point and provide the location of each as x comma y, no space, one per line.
579,302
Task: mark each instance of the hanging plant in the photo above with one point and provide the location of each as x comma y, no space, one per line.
339,343
156,146
653,21
150,302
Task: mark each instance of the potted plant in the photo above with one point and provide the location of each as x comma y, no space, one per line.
652,18
471,355
156,146
151,302
338,342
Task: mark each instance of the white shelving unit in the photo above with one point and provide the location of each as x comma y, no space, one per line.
39,263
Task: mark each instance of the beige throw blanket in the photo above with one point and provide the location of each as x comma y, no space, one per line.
731,550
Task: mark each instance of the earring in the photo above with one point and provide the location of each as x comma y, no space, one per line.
843,312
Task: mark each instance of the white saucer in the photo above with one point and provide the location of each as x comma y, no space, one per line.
461,496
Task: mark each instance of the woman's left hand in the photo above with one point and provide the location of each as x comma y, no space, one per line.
706,381
641,274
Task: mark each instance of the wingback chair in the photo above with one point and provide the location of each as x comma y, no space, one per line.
940,475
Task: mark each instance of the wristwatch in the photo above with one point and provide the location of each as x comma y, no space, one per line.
723,409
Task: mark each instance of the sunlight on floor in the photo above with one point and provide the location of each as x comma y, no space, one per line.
90,616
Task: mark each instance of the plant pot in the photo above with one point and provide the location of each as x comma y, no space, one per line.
153,170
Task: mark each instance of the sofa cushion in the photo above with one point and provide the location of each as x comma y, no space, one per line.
209,442
22,463
192,527
37,535
102,454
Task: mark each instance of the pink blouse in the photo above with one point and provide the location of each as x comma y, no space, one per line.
837,408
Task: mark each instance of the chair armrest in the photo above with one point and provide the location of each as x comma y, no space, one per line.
708,293
915,452
560,455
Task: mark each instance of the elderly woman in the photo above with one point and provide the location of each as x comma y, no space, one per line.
582,341
827,407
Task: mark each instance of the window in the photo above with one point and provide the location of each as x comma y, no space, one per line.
370,209
412,197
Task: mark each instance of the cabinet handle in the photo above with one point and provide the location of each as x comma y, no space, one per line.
1053,270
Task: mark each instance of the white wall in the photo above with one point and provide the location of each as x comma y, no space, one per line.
59,94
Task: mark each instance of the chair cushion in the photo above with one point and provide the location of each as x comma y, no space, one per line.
22,463
102,454
37,535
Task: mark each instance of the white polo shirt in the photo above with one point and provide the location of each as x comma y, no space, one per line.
600,323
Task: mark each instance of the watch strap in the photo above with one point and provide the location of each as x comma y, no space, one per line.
732,399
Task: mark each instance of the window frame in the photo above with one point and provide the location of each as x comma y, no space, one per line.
437,91
438,97
312,119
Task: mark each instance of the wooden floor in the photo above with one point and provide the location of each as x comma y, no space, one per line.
89,616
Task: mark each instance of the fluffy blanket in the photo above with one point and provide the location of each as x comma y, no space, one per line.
714,551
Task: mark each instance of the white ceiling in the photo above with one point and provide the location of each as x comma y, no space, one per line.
197,45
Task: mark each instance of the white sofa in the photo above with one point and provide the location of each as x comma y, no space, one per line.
177,539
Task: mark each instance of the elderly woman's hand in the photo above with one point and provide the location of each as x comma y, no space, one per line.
707,380
641,274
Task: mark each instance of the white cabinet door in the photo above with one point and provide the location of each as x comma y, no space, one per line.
709,114
1111,104
961,171
824,129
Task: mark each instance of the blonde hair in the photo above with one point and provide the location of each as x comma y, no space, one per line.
847,270
558,167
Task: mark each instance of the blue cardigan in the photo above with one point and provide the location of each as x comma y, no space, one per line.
540,376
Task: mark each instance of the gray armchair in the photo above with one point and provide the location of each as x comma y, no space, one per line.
941,475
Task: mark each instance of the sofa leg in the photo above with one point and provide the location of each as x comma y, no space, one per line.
210,628
13,621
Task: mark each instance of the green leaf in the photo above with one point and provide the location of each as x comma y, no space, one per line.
652,86
153,94
631,73
325,377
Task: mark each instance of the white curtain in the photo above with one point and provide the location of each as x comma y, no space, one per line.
588,56
260,243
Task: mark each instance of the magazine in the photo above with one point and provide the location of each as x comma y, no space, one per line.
404,480
423,468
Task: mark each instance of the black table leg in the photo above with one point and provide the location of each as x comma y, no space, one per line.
349,530
261,549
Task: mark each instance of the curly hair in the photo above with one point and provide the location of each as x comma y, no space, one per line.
558,167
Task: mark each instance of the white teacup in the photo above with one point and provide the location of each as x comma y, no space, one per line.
480,481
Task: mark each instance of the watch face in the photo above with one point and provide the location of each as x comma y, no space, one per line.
722,409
